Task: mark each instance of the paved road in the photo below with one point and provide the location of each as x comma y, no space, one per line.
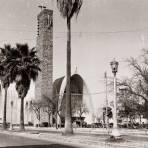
132,140
21,142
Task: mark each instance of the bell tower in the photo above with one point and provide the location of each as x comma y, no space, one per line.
44,47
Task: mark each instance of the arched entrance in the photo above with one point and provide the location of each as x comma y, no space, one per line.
80,96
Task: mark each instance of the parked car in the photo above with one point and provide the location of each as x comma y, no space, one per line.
44,124
30,123
96,125
123,124
84,124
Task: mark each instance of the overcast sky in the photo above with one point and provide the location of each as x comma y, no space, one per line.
104,29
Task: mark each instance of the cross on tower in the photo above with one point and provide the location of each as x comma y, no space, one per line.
42,7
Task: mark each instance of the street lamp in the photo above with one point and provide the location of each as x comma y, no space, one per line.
11,124
27,112
115,133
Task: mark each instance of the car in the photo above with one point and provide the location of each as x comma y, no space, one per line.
96,125
84,124
44,124
123,124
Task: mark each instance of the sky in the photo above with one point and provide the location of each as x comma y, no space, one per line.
103,30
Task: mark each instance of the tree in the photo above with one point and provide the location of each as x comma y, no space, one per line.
109,114
23,66
137,85
136,89
50,107
130,106
5,78
36,107
45,105
68,8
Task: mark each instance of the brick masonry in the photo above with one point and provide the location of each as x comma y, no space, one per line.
43,86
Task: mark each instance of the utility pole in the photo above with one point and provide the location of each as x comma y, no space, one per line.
106,99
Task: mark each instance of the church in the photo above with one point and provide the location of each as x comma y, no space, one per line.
44,85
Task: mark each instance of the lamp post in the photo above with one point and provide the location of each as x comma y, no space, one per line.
27,112
11,124
115,132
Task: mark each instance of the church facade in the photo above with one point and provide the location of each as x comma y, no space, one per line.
43,87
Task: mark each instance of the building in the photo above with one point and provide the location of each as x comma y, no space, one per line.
44,46
80,97
43,87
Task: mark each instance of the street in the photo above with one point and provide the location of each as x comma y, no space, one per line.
82,138
22,142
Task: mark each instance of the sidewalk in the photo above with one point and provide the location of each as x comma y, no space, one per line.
90,138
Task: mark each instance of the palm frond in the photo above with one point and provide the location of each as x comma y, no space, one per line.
23,49
33,52
20,65
68,8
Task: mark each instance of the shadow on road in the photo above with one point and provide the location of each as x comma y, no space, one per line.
43,146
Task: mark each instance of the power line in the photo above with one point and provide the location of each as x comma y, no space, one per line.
107,32
17,40
15,30
83,94
81,32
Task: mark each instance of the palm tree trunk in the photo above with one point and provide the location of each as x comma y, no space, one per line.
22,115
68,121
5,110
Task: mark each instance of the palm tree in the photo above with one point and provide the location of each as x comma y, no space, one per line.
23,66
5,84
5,78
68,8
